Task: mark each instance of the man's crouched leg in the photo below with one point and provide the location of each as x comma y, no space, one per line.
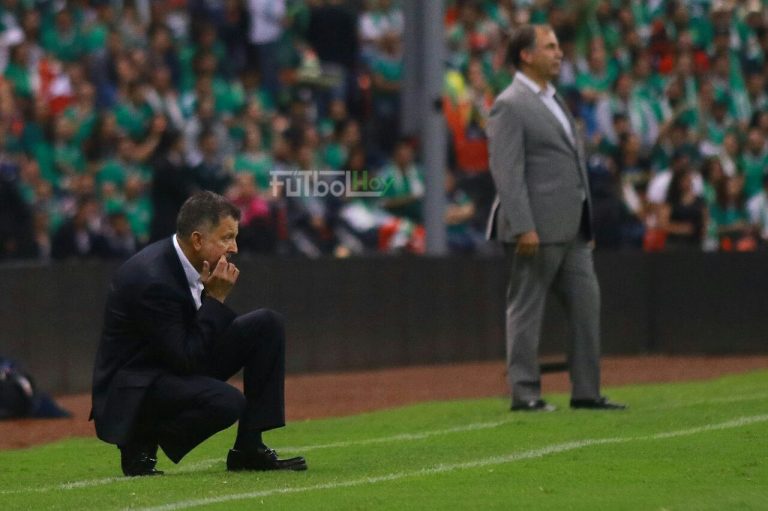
255,342
179,413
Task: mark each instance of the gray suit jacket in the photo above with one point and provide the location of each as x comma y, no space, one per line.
540,175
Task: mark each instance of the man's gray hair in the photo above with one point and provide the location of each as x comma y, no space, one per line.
203,209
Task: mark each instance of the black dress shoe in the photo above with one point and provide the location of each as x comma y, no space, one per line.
139,459
263,458
536,405
596,404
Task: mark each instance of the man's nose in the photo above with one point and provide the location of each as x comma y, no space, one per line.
233,248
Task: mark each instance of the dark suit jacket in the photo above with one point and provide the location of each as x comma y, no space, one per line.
151,327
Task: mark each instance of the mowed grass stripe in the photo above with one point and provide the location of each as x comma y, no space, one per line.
205,464
445,468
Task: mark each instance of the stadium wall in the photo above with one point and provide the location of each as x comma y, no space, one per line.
379,312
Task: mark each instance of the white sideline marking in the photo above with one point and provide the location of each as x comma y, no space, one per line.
89,483
402,437
208,463
489,425
444,468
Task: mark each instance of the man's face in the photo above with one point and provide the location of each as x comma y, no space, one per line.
681,163
544,59
217,241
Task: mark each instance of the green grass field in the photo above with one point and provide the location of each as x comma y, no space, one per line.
700,445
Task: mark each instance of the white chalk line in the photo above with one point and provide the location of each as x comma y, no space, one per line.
404,437
89,483
451,467
208,463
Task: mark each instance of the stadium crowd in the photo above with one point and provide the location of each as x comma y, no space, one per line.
112,112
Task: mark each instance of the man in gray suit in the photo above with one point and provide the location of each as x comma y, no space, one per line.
542,216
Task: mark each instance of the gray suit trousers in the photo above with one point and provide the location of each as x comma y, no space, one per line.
567,269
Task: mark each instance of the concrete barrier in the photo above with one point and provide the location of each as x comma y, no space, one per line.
378,312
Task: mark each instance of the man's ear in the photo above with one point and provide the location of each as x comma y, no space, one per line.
197,240
525,56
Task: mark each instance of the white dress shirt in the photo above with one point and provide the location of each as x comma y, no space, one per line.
547,96
193,276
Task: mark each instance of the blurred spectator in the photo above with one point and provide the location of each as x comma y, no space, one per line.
404,182
162,54
757,208
625,101
162,97
606,202
658,187
730,155
233,30
346,135
252,159
379,18
332,34
684,213
15,217
677,139
594,84
41,233
360,218
466,105
729,216
94,95
311,218
64,39
19,71
137,208
266,28
386,74
211,173
754,162
132,111
472,32
81,236
103,143
132,27
172,183
459,212
119,239
205,120
258,224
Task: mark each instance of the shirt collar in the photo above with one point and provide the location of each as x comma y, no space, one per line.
193,276
548,92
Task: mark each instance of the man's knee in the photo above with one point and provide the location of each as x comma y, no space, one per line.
263,321
271,320
226,405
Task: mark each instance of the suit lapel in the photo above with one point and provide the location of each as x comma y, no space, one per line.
577,146
545,113
568,115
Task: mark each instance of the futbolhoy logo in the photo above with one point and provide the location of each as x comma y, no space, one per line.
321,183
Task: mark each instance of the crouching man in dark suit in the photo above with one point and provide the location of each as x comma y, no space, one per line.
169,344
